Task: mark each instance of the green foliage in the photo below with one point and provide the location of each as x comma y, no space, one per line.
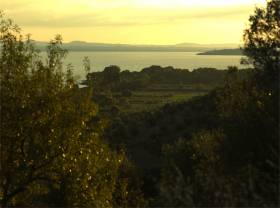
252,106
111,76
156,76
86,62
197,165
129,193
158,128
262,43
51,150
153,87
239,166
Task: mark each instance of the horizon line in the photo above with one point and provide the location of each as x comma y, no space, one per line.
142,44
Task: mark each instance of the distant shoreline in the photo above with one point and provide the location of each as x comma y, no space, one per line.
224,52
99,47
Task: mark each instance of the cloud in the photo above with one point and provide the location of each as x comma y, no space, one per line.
130,21
122,17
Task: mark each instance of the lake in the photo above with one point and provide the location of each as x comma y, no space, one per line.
135,61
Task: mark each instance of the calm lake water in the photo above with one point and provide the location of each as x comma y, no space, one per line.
135,61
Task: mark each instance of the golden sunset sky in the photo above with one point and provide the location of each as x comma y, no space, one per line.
133,21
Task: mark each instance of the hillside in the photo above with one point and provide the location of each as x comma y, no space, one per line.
87,46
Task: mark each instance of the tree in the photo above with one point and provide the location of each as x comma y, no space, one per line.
262,43
194,174
86,62
250,108
51,150
239,167
111,75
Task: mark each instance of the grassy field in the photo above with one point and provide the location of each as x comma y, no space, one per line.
150,100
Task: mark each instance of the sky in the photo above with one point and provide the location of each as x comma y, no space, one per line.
133,21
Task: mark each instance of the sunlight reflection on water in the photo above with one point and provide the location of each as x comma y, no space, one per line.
136,61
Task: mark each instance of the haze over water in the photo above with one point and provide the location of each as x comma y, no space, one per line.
136,61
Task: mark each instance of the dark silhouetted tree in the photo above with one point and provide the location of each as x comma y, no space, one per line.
51,150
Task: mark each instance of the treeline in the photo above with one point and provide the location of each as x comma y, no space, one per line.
216,150
154,77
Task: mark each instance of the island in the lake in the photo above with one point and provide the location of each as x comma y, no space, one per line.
229,52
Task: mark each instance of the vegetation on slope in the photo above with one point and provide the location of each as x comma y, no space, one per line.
65,146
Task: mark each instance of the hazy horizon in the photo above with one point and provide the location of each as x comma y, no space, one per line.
135,22
124,43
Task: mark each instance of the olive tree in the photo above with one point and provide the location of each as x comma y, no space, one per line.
51,150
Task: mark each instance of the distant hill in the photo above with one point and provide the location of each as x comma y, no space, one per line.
230,52
183,47
214,46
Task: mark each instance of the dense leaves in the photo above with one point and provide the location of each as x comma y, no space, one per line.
51,150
